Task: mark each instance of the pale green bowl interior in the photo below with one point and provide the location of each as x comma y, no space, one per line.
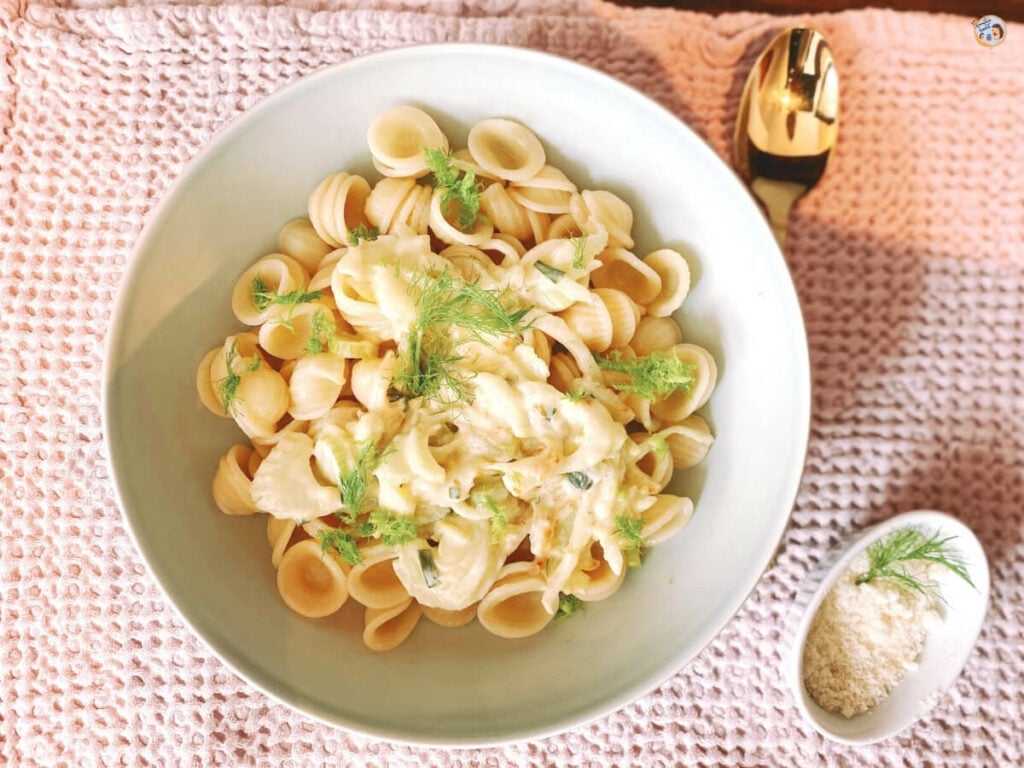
458,687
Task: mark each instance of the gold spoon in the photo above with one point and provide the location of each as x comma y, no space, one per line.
788,122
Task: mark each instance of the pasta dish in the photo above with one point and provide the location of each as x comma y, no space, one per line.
463,394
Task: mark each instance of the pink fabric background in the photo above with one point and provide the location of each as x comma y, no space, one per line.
908,261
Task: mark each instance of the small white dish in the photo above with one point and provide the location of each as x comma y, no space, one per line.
946,650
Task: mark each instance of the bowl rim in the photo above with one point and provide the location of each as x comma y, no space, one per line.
225,134
823,577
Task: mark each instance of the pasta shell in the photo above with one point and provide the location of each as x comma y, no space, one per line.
667,516
330,260
675,281
414,215
513,608
342,414
373,582
623,270
506,149
564,371
398,137
355,301
311,582
688,441
596,579
255,459
387,628
614,402
654,463
450,619
505,213
602,211
681,404
321,281
286,334
547,192
654,334
231,483
563,227
447,232
315,385
261,401
205,383
540,343
395,203
469,262
559,332
279,535
624,314
371,379
386,198
503,249
263,443
462,159
299,240
277,273
539,224
337,206
246,360
592,322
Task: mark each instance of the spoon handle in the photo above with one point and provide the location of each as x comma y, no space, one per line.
778,198
779,230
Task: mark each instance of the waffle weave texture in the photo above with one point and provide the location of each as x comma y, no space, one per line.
907,259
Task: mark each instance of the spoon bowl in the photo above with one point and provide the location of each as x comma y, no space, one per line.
788,122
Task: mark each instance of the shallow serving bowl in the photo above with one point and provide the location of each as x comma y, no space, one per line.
455,687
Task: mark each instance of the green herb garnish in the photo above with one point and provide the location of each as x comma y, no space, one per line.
354,484
499,518
888,558
362,232
659,373
460,191
393,530
227,387
551,273
426,366
568,605
580,480
343,543
262,298
659,445
630,530
576,395
579,247
321,332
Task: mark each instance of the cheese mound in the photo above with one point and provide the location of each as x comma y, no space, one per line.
863,640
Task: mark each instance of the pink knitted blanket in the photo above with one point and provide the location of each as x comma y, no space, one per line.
907,259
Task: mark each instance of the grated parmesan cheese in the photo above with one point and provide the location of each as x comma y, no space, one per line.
863,640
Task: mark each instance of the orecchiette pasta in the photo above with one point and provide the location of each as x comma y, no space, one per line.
337,207
506,149
311,583
513,607
387,628
465,395
622,269
300,241
397,138
231,484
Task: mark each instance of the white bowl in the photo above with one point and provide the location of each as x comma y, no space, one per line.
946,649
455,687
